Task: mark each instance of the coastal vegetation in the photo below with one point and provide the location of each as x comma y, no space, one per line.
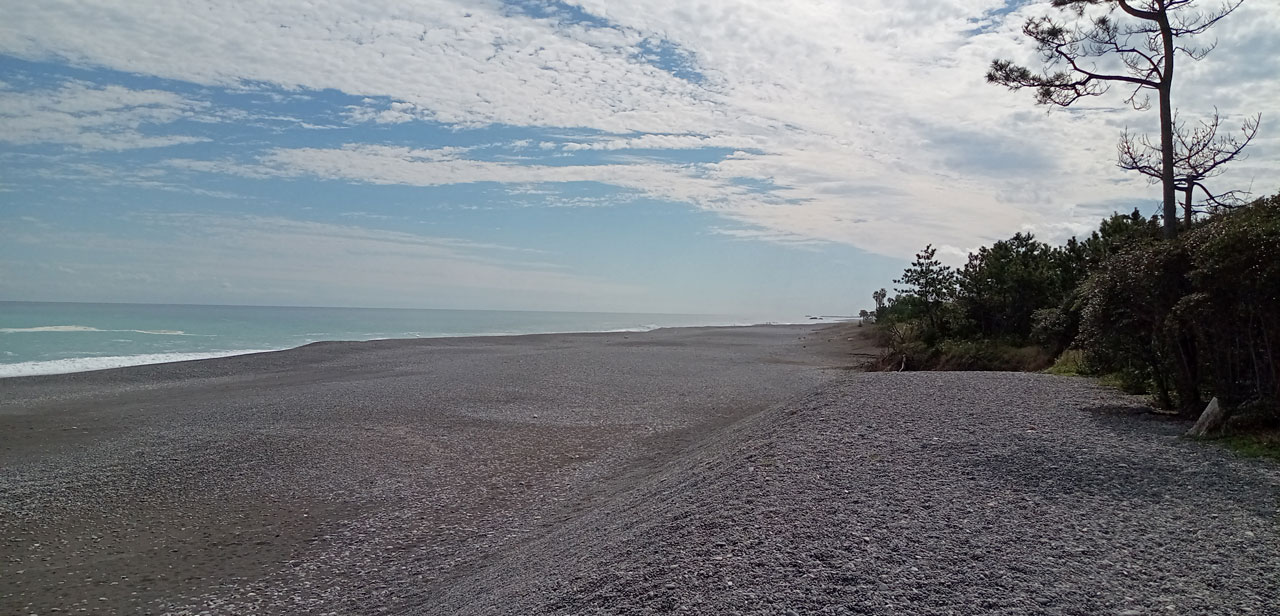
1183,306
1184,320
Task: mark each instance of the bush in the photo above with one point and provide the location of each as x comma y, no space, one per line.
1134,380
1069,363
905,352
989,355
1127,323
903,343
1234,310
1196,317
1054,328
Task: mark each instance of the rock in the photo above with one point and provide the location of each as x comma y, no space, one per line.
1210,421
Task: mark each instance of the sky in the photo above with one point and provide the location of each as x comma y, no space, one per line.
709,156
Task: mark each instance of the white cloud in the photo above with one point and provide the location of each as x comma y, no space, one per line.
666,142
462,62
869,122
797,206
93,117
108,176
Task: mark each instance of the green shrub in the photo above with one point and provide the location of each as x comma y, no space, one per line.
989,355
1128,324
1136,380
1069,363
960,355
1054,328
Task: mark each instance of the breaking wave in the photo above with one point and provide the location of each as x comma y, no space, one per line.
85,364
85,328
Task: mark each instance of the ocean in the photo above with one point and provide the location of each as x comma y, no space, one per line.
53,338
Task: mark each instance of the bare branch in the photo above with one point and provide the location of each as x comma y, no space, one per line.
1138,155
1227,200
1198,22
1206,152
1199,154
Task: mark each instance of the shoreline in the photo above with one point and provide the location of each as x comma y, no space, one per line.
77,365
86,364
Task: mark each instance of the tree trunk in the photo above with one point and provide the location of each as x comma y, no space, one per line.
1188,212
1166,125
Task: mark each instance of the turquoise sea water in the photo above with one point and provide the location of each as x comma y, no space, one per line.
52,338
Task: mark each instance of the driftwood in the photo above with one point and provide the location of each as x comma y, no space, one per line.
1211,420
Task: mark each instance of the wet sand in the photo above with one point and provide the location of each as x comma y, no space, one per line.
356,477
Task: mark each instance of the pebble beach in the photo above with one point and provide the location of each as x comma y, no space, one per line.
746,470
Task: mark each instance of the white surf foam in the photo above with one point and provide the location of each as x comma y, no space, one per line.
86,328
85,364
48,328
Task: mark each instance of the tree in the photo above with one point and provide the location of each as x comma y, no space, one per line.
879,297
930,284
1118,233
1199,154
1001,286
1144,44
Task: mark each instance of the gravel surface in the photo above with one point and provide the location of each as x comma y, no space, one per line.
917,493
713,471
351,477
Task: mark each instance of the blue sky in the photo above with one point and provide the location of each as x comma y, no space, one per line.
748,157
